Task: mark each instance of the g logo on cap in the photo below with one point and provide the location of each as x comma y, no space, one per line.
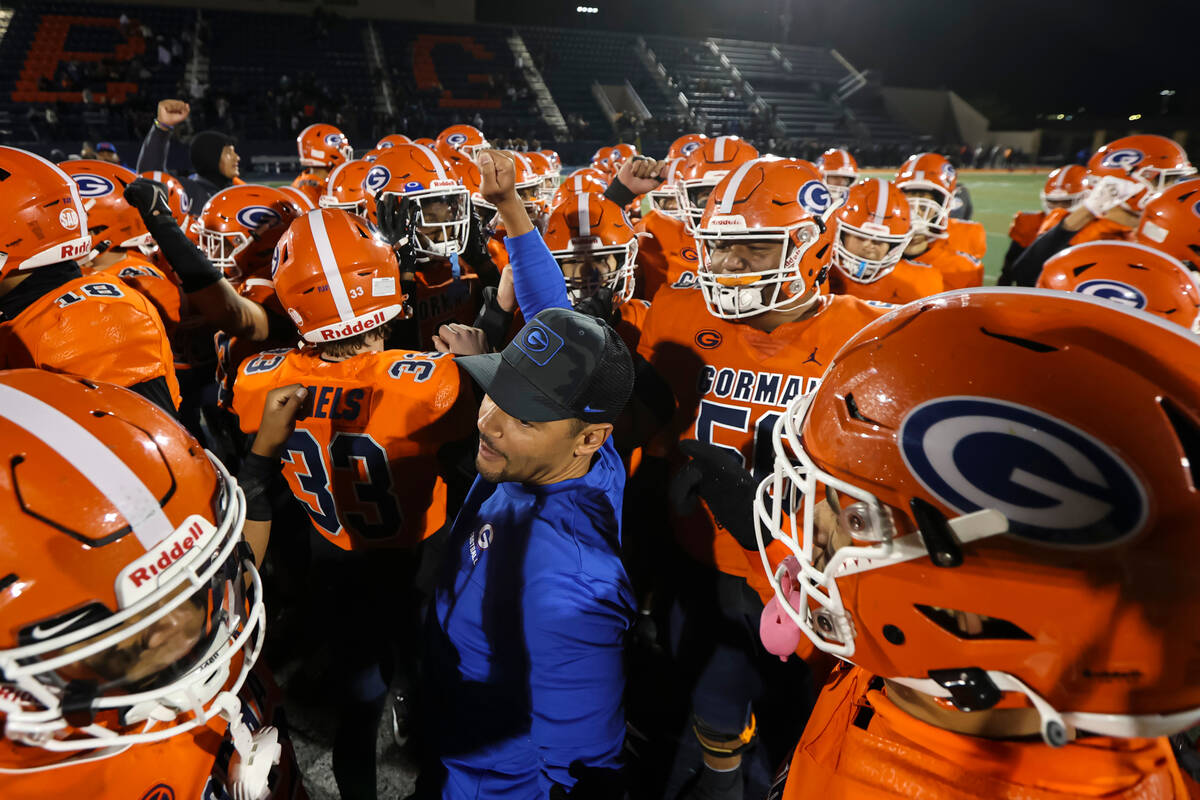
93,185
1125,158
539,343
1055,483
814,197
1114,292
377,177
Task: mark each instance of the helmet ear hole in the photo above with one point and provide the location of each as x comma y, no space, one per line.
1188,434
967,625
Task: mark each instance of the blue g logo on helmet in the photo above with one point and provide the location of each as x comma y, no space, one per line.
948,173
414,186
814,197
1054,482
333,139
1114,292
1125,158
93,185
377,178
257,217
539,343
690,148
456,139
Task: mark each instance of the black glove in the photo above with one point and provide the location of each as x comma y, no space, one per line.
591,783
598,305
477,254
494,321
714,475
149,197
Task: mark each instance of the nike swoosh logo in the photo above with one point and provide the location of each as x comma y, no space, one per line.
45,633
590,410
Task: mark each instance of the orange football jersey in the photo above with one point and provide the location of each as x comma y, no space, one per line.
732,382
233,350
630,320
497,251
193,765
141,273
1026,226
968,237
438,296
312,185
858,745
98,327
363,459
1094,231
907,281
666,256
959,270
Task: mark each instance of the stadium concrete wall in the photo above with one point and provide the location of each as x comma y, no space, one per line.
426,10
939,113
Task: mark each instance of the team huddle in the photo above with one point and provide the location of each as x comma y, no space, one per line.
892,533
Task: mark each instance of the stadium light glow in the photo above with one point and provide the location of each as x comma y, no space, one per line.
587,10
1134,117
1061,116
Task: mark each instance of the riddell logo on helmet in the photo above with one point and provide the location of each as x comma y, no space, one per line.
75,250
353,329
733,222
143,575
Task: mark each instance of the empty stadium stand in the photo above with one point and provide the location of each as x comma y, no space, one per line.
706,82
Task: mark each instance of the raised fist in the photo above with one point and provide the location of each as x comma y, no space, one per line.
172,112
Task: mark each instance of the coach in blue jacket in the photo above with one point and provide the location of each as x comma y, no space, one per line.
530,612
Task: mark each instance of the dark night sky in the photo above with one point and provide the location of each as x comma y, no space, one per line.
1013,59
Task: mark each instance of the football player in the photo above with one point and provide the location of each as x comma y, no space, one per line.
131,609
345,187
954,247
1064,189
422,207
932,577
664,247
54,317
1127,274
839,170
872,229
685,145
363,460
758,333
1122,177
1171,223
322,147
463,139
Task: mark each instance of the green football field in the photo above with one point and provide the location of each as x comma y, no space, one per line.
996,197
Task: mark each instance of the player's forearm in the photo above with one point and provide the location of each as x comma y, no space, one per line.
153,155
222,307
514,216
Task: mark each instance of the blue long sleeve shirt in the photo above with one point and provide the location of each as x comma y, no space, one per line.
530,614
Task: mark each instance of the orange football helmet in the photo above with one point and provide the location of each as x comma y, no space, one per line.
707,166
547,171
335,276
685,145
529,183
591,239
763,201
600,159
45,221
178,198
579,181
111,221
323,145
619,154
432,195
665,199
1171,223
838,164
391,140
932,174
239,226
1063,525
133,611
555,161
1154,162
1065,188
875,210
1127,274
425,141
301,199
465,139
344,189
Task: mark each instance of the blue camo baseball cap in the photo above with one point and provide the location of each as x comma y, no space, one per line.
561,365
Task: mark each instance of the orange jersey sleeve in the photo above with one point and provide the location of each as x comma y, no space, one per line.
907,281
95,326
666,255
363,459
858,745
968,237
498,252
311,185
1026,226
143,275
732,383
959,270
629,321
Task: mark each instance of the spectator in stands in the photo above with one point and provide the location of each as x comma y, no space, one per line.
214,155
